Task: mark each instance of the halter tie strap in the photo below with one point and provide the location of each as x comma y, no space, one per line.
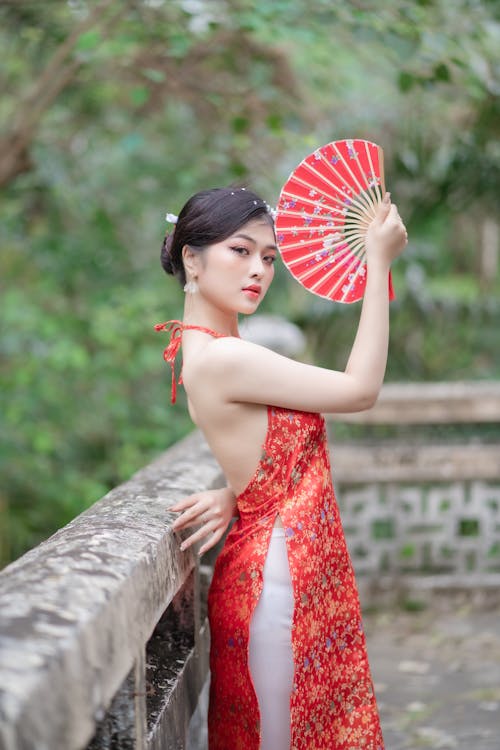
176,327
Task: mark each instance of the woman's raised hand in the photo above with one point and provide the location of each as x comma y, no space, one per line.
213,509
386,236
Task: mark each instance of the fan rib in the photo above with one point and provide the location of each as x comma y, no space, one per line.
376,186
333,269
305,184
338,281
346,165
346,229
353,208
331,184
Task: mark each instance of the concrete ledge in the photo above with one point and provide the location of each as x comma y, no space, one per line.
360,463
77,611
431,403
391,590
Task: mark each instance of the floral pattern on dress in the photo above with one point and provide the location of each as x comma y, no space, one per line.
332,705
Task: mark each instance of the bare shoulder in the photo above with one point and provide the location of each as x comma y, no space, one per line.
223,358
234,370
232,351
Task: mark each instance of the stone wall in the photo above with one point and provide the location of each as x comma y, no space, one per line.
421,512
106,615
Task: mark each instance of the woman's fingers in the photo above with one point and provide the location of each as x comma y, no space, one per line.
386,236
190,517
383,209
186,502
203,531
216,536
212,527
198,514
393,212
191,508
211,510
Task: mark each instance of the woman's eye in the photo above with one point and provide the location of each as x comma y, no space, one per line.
270,259
240,250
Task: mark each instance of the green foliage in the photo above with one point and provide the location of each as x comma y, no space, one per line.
113,113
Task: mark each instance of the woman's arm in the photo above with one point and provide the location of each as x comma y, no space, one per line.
213,509
385,240
239,371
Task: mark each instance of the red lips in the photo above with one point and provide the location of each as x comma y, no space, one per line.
253,288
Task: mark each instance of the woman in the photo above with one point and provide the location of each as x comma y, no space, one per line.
288,657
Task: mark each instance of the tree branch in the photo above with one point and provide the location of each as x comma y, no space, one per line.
14,146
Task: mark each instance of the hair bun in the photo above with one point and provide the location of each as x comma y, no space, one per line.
166,254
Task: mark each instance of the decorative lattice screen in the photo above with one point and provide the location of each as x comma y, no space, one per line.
432,528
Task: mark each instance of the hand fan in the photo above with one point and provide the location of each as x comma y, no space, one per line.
323,213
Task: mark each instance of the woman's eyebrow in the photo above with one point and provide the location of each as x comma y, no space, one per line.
251,239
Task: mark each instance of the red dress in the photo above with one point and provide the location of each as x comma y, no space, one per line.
332,706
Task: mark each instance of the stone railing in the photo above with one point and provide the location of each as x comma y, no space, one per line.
421,509
103,641
103,637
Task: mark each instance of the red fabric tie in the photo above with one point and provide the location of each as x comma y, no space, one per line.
176,327
170,352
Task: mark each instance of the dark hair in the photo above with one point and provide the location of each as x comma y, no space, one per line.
208,217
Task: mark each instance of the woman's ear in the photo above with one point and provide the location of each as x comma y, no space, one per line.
190,260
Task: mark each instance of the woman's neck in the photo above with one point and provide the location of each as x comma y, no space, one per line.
199,312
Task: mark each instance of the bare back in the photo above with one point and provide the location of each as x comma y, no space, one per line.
235,431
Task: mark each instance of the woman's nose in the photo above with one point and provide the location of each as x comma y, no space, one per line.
257,267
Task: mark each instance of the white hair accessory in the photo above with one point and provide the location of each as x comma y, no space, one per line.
270,210
171,218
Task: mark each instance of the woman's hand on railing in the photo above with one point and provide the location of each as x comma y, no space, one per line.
213,509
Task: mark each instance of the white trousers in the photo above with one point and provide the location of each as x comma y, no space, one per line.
270,648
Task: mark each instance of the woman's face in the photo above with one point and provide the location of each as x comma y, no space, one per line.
235,274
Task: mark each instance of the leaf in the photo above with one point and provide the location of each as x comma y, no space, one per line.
139,95
157,76
274,122
179,45
442,73
240,124
238,169
406,81
88,41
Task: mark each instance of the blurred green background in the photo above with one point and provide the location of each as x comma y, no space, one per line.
114,112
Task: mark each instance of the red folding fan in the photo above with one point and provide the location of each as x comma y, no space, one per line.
323,213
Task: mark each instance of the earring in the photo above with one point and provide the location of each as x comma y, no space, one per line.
191,287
